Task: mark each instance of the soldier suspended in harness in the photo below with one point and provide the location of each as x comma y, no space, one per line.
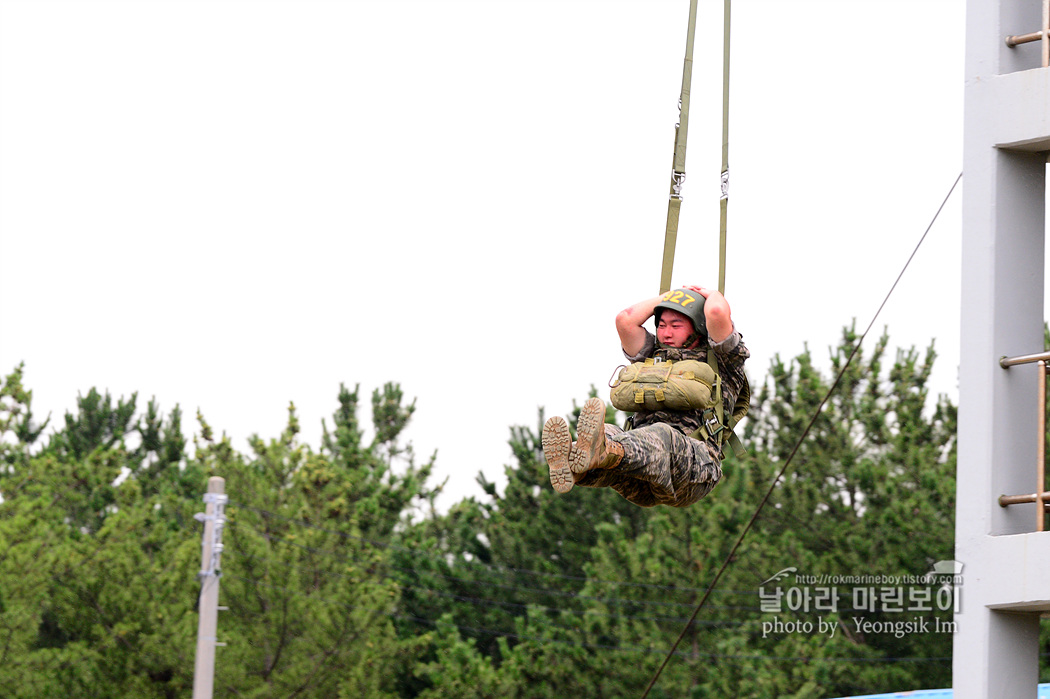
686,390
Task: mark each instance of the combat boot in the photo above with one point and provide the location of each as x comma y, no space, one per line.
592,450
557,444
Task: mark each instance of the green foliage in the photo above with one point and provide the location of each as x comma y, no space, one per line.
18,431
585,594
877,469
99,549
94,595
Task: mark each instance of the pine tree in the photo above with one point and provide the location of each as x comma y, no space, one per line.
99,548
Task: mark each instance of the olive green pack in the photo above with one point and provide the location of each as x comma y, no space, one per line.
683,385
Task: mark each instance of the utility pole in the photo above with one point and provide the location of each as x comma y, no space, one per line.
208,606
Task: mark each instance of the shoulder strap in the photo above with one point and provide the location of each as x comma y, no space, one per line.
716,425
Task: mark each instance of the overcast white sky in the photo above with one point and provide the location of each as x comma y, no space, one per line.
230,205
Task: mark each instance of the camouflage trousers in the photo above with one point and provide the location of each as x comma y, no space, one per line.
660,466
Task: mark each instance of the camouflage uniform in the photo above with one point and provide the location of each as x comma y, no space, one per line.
662,464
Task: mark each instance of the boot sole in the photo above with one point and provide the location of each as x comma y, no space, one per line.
557,443
589,429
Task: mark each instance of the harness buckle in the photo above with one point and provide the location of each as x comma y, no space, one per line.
710,420
677,178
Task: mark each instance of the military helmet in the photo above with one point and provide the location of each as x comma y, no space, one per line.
688,303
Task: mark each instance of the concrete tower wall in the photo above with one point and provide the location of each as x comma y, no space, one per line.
1006,570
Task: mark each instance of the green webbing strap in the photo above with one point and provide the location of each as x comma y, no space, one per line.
724,203
745,392
719,408
734,441
725,425
674,203
674,206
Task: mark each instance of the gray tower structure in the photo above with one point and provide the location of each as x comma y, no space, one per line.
1000,542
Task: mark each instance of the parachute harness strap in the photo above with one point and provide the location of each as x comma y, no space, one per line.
674,201
716,427
681,135
723,204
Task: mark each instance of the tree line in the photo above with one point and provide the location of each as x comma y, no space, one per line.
342,579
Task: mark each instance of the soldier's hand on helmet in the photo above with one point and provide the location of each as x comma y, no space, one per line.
698,289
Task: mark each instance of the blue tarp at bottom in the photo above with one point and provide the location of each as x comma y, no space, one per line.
1043,692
